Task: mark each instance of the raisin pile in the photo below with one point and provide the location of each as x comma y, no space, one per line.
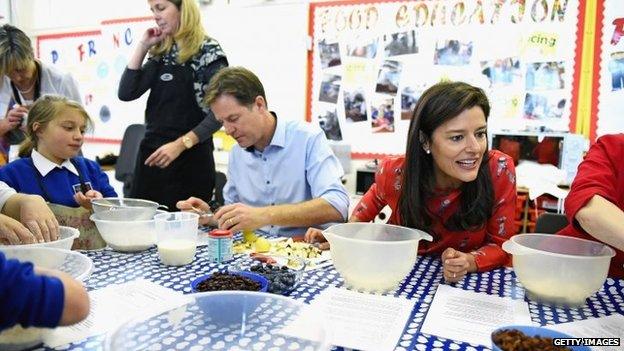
226,281
515,340
281,279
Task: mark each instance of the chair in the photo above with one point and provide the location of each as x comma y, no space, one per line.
220,180
550,223
124,168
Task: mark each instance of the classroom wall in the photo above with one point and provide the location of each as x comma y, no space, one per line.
268,37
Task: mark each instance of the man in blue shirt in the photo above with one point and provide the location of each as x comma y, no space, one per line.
282,176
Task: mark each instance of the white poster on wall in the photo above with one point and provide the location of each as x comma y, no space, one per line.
386,54
81,54
611,82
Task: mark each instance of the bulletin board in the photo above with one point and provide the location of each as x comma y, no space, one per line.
608,116
96,59
371,60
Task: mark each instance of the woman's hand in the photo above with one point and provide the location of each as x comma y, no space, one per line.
151,37
13,232
39,219
165,154
84,200
457,264
315,236
13,119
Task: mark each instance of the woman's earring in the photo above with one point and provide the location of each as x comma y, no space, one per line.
427,151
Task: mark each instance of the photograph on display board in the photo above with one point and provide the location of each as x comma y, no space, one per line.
365,50
355,105
544,105
452,53
328,121
403,43
545,75
409,98
616,68
330,87
382,115
502,71
330,54
388,79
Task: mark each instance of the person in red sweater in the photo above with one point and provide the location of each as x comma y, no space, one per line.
595,204
448,184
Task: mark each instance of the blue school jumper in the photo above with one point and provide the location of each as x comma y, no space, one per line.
28,299
60,185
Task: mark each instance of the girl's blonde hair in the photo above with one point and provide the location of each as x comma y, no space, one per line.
43,111
190,35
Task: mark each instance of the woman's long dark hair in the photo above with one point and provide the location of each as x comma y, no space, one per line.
438,104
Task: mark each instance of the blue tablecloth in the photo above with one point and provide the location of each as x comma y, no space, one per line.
114,268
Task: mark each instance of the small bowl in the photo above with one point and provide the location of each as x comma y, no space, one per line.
125,209
264,283
125,236
536,331
296,266
65,241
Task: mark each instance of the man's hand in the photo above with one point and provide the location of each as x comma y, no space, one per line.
237,217
315,236
457,264
199,206
84,200
13,232
165,154
38,218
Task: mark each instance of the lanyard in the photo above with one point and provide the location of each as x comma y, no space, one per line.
16,95
45,194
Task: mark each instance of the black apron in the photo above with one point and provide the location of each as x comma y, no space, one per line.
172,111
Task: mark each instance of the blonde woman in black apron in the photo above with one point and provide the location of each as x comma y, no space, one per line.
175,158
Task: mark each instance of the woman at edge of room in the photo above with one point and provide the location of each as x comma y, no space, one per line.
175,159
448,183
595,204
24,80
50,166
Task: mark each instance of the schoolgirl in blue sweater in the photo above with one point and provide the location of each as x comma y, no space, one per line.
50,165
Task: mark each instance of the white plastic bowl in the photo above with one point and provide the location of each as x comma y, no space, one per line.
232,320
373,256
65,241
125,209
559,269
125,236
73,263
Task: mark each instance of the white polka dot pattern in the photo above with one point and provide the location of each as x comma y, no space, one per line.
420,285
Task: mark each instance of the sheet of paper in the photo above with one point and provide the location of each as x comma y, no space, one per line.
117,304
363,321
604,327
471,317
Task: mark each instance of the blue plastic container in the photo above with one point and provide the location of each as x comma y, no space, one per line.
264,283
535,331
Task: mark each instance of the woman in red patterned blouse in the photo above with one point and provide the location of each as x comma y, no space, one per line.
448,184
